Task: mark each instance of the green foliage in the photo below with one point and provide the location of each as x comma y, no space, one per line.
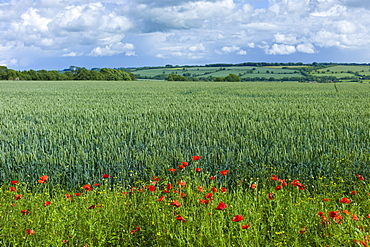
232,77
174,77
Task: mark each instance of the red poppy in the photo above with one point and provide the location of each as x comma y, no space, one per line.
303,230
238,218
161,198
354,217
156,178
180,218
172,170
77,194
151,188
294,183
43,179
14,182
92,207
279,187
353,192
224,172
137,229
214,189
185,163
181,167
68,197
208,195
195,158
253,186
30,232
360,177
345,200
203,201
223,189
13,189
346,212
182,195
221,206
270,196
169,186
212,177
335,216
368,216
47,203
274,177
325,200
154,182
18,197
87,187
25,211
320,213
176,203
200,189
245,226
105,176
197,169
181,183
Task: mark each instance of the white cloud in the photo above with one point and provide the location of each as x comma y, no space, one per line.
281,49
306,48
114,49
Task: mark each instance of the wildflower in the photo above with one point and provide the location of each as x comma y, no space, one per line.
137,229
181,167
197,169
274,178
221,206
30,232
320,213
214,189
87,187
172,170
200,188
354,217
14,182
203,201
353,192
279,187
185,163
47,203
180,218
223,189
43,179
176,203
253,186
161,198
195,158
169,186
182,195
25,211
18,197
224,172
77,194
209,196
156,178
181,183
303,230
68,197
97,184
294,183
151,188
106,176
246,226
271,196
13,189
212,177
92,207
360,177
335,216
238,218
325,200
345,200
346,212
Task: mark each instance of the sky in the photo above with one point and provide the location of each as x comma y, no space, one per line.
56,34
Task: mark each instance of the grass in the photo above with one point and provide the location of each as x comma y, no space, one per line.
75,132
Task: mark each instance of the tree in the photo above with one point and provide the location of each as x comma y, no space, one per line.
232,77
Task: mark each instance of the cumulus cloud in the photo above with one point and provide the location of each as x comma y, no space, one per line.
114,49
281,49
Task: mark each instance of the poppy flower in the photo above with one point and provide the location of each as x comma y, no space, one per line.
43,179
203,201
185,163
208,195
197,169
176,203
214,189
87,187
161,198
325,200
294,183
182,195
25,211
106,176
320,213
180,218
274,178
156,178
14,182
30,232
47,203
169,186
92,207
346,212
151,188
253,186
223,189
200,188
68,197
368,216
345,200
137,229
181,167
353,192
172,170
354,217
246,226
154,182
77,194
13,189
221,206
181,183
335,216
212,177
195,158
271,196
360,177
224,172
279,187
238,218
18,197
303,230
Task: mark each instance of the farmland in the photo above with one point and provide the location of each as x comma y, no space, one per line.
124,137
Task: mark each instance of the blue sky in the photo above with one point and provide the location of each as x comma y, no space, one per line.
54,34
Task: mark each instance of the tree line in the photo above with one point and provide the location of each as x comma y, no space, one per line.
73,73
